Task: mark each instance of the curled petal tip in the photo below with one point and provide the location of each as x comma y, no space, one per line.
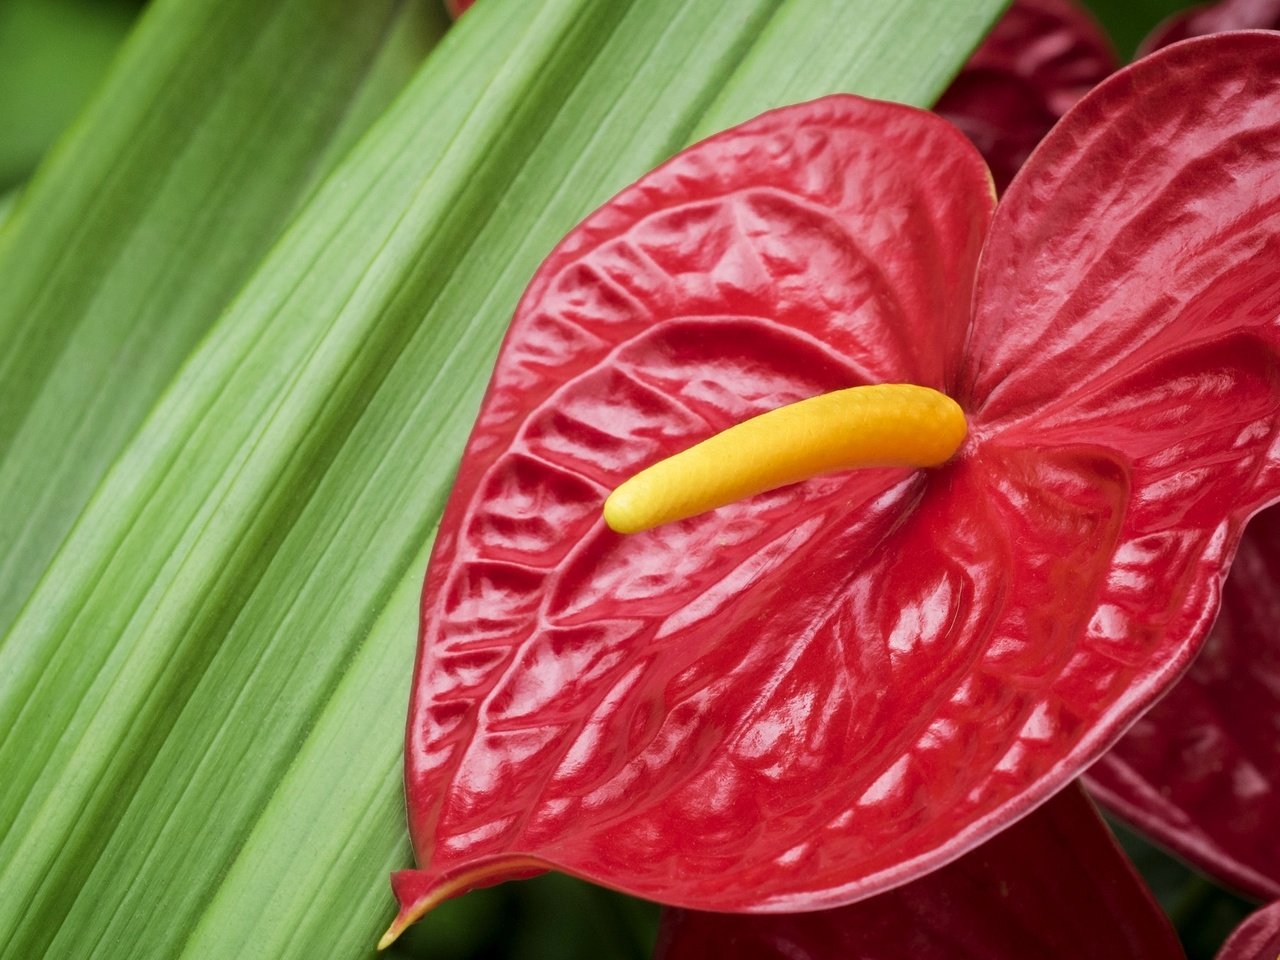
413,890
392,934
420,891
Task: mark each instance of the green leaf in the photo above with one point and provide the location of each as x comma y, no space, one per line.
216,123
202,704
52,54
7,200
877,49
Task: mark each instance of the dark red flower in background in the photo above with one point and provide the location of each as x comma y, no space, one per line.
1258,938
1040,58
1214,18
804,699
1054,886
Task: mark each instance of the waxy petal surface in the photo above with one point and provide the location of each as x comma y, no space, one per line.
648,710
1200,772
1040,58
1146,223
829,690
1258,938
1054,886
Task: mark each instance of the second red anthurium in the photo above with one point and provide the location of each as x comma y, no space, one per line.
810,696
1040,58
1054,886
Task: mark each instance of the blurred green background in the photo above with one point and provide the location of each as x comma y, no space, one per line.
53,53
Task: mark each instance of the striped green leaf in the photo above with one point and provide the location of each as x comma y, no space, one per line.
217,121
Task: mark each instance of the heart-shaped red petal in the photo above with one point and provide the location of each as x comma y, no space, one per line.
646,710
1163,339
804,699
1055,886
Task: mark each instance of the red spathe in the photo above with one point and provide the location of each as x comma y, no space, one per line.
1201,771
805,699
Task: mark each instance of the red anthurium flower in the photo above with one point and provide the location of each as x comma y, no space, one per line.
1055,886
809,697
1201,771
1258,938
1041,57
1214,18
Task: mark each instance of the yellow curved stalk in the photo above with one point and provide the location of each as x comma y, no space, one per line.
886,425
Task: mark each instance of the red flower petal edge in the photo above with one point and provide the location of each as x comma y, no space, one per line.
1201,771
808,698
1214,18
1041,57
1258,938
1195,794
1054,886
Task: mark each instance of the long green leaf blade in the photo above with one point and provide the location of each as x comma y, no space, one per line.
907,52
204,699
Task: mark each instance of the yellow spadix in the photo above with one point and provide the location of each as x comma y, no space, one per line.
887,425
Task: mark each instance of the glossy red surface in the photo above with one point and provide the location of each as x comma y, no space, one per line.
1055,886
1041,57
1201,771
1258,938
1214,18
805,699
